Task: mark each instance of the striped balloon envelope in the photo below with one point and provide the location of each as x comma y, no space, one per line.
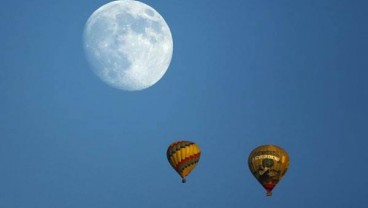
183,156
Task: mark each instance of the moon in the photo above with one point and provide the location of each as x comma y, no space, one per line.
128,44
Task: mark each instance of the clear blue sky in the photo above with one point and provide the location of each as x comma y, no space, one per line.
243,73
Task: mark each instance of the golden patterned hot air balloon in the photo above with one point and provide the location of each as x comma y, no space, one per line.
183,157
268,163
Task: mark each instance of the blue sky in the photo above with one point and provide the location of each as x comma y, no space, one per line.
243,73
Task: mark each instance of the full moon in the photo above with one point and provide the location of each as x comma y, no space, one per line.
128,44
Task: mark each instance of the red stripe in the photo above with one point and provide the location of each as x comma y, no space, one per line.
187,159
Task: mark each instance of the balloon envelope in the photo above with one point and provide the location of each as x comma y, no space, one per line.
183,156
268,163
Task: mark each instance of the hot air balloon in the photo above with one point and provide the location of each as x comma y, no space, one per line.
268,163
183,156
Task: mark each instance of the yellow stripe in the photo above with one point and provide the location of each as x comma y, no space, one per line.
187,150
178,158
195,149
181,156
172,160
175,159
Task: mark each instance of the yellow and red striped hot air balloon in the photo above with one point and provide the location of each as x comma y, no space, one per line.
183,156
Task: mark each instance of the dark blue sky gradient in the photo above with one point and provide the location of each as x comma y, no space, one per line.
243,73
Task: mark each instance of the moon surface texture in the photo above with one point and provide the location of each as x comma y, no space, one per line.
128,44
